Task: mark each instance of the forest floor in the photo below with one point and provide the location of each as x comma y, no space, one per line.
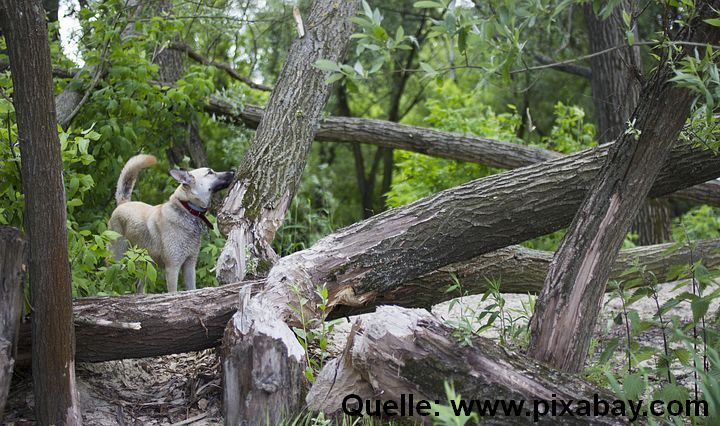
185,389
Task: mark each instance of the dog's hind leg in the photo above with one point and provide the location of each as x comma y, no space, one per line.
171,277
188,270
118,247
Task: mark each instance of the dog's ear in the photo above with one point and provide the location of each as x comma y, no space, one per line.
182,176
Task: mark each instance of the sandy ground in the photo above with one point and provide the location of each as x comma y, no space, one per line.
186,388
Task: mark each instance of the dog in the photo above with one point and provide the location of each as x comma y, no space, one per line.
170,231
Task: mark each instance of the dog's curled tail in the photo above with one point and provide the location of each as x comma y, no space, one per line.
129,175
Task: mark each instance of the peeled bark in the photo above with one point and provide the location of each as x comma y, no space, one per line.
270,173
12,279
399,352
56,399
570,302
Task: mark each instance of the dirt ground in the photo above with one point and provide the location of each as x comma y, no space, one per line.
185,389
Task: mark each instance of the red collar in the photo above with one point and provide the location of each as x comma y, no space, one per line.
197,213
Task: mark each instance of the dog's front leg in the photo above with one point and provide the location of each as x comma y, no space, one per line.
171,277
188,271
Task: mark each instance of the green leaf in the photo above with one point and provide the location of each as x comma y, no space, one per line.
6,106
633,385
332,78
715,22
427,4
151,273
610,349
699,308
627,19
427,68
326,65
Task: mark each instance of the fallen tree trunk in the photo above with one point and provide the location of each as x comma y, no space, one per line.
12,278
398,352
523,270
137,326
375,256
436,143
387,134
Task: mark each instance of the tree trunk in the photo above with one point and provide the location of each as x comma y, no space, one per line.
118,327
653,223
615,79
706,193
399,352
12,279
56,398
437,143
571,298
262,360
616,85
270,172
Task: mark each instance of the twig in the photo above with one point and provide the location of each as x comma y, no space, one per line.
191,419
223,66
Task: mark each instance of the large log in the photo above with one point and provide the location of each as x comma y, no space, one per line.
137,326
436,143
375,256
396,352
12,278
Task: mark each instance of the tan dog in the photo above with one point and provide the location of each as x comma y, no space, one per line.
170,231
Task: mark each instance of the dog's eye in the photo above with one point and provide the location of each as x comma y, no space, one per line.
210,172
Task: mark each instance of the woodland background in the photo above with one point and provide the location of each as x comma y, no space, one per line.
183,79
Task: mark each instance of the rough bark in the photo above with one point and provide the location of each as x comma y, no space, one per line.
522,270
263,361
119,327
616,88
12,278
653,223
56,398
270,173
263,366
571,298
398,352
436,143
706,193
467,221
615,79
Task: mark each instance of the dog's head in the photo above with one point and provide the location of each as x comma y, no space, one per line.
198,186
